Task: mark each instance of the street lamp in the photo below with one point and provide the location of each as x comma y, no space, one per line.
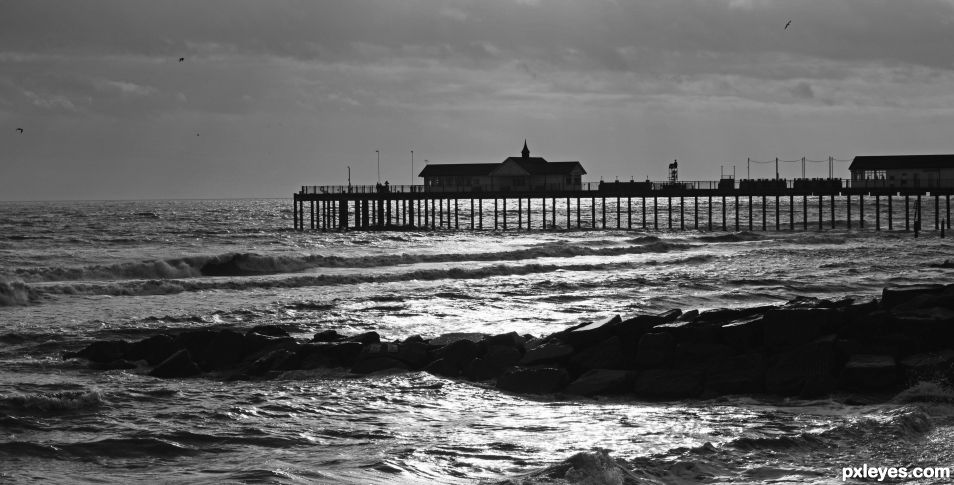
379,164
412,167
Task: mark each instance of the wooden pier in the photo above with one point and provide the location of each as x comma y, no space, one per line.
773,204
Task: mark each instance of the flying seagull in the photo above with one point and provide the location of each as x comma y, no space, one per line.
787,24
19,130
182,59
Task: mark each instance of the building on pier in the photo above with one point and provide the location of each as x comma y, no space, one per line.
902,171
515,174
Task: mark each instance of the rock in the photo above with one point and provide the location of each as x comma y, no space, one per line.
415,354
270,330
741,374
114,365
688,331
226,349
607,354
601,381
869,373
654,350
723,315
929,367
590,333
179,364
549,352
481,369
669,383
701,354
533,380
448,338
896,295
689,316
256,342
376,364
315,355
792,327
443,368
101,351
512,339
275,360
500,357
366,338
458,353
742,335
153,350
195,341
327,336
933,327
803,371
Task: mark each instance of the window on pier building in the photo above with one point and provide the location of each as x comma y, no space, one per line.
874,174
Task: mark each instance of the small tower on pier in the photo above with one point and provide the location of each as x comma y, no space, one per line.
674,171
526,151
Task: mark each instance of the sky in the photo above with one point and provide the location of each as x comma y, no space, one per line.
275,94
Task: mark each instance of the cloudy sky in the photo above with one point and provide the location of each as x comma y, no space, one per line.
280,93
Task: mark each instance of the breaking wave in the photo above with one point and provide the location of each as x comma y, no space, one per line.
52,402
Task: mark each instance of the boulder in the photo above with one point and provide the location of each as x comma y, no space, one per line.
928,367
314,355
480,369
803,371
179,364
587,334
443,368
669,383
742,335
512,339
893,296
415,354
101,351
869,373
270,330
452,337
256,342
500,357
458,353
689,331
376,364
114,365
793,327
195,341
533,380
607,354
275,360
933,327
601,381
366,338
654,350
724,315
226,349
701,354
327,336
548,352
740,374
153,350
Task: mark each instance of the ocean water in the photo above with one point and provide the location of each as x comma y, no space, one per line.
73,272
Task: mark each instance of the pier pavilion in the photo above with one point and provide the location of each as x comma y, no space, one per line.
903,171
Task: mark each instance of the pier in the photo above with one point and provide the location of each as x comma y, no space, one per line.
728,204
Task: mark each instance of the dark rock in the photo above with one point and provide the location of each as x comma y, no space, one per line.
669,383
179,364
591,333
416,339
116,364
449,338
415,354
860,327
153,350
654,350
226,349
742,335
741,374
376,364
270,330
933,327
929,367
458,353
701,354
195,341
896,295
724,315
533,380
442,367
366,338
500,357
549,352
793,327
274,360
101,351
869,373
607,354
803,371
601,381
689,316
327,336
480,369
315,355
688,331
512,339
256,342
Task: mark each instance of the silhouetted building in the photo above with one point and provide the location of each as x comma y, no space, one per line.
903,171
515,174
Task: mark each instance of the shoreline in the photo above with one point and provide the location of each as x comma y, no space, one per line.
804,348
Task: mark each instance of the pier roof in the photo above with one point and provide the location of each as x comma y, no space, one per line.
887,162
462,169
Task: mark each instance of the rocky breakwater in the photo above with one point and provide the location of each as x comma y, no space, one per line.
806,348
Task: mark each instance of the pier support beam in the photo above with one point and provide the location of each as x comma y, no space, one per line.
629,212
619,214
821,213
644,212
877,212
861,211
724,209
907,212
791,212
937,212
778,222
848,207
750,213
737,213
552,213
603,207
593,212
890,212
495,213
543,212
763,215
655,213
805,212
505,214
669,211
695,199
710,213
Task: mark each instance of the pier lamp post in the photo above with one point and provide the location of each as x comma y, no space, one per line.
412,167
379,164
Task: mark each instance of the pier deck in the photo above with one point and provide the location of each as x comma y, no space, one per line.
795,204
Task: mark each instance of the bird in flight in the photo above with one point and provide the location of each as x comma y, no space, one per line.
182,59
19,130
786,25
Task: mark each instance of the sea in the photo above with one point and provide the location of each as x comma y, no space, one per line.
75,272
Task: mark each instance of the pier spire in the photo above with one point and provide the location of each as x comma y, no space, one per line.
525,151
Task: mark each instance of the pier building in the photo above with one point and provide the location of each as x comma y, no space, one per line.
903,171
